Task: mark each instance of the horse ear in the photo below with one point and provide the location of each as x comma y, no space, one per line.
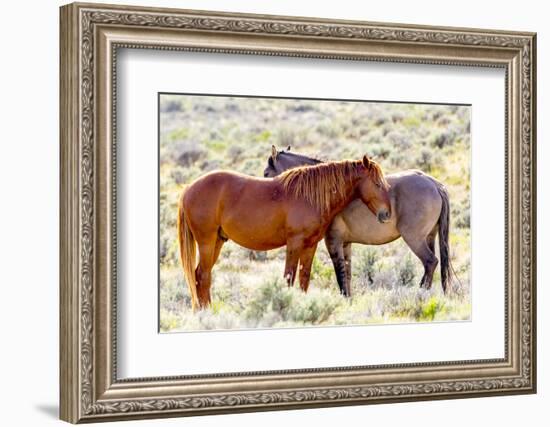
366,162
288,148
274,152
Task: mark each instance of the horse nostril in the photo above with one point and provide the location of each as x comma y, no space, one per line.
383,216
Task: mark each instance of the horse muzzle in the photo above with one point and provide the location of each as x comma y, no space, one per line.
383,216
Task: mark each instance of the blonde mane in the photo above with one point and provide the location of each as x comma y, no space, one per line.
326,183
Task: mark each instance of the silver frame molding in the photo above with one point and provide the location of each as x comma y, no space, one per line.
90,37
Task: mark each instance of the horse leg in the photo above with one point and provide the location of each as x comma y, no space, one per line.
430,241
347,259
208,253
335,248
306,259
217,250
293,250
421,249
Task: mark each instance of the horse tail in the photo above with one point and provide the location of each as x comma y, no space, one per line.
188,252
444,220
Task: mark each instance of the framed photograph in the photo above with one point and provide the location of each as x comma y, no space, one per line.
267,212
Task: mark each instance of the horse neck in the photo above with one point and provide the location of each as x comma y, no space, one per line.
325,187
340,201
292,160
304,160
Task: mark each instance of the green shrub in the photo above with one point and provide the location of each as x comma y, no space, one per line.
322,271
406,271
170,106
275,303
285,137
443,138
364,265
314,308
272,295
430,308
425,160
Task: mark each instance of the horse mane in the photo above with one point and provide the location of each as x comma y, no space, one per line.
325,183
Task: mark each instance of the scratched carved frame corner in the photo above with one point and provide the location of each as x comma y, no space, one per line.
89,39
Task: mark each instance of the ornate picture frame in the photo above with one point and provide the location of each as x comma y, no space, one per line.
90,37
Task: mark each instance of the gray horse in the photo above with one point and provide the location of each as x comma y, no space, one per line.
420,209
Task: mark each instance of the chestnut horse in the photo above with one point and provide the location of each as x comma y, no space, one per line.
293,209
420,205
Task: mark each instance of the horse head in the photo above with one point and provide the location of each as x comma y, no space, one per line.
282,160
374,189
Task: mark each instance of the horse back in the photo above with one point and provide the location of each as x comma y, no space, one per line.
237,202
414,190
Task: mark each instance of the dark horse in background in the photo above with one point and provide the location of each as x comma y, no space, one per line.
420,206
293,209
